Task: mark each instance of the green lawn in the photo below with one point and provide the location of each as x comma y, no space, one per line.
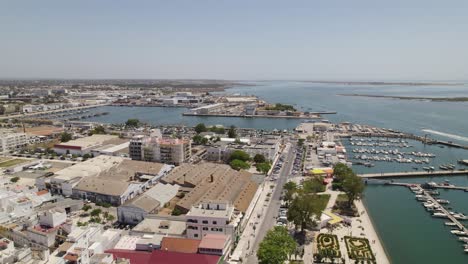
12,162
342,197
323,200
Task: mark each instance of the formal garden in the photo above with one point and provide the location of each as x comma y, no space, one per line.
359,249
328,247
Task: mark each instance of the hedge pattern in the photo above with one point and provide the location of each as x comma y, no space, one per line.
328,245
359,249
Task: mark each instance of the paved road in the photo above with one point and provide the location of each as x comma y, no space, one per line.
273,208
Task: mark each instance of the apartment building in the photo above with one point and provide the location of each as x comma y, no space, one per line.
212,217
164,150
11,141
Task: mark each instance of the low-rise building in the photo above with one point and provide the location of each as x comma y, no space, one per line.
212,217
52,218
135,210
86,145
210,181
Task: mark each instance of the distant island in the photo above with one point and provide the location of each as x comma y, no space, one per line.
433,99
386,83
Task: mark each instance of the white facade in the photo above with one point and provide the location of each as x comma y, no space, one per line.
212,218
52,218
12,141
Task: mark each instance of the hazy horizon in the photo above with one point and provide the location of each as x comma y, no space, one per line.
238,41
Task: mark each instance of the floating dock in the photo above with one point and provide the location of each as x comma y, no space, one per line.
413,174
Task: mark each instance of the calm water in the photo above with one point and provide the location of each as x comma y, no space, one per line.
409,233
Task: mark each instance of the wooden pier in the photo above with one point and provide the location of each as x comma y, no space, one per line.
447,213
413,174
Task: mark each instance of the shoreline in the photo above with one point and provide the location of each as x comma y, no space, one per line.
373,234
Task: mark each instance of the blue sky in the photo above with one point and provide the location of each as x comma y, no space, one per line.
333,40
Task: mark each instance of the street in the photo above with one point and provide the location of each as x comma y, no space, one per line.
274,205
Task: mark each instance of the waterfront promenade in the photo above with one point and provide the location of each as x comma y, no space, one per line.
361,226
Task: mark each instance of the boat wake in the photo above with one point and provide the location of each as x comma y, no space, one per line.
457,137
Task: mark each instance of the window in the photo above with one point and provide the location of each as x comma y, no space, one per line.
220,229
214,222
195,235
205,221
205,228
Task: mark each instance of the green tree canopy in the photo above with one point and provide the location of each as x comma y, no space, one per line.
302,208
239,164
65,137
300,142
217,129
263,167
95,212
353,187
132,122
259,158
232,132
197,139
200,128
341,171
276,247
239,155
313,185
290,186
98,130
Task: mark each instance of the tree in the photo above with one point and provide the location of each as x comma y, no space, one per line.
232,132
197,139
276,247
341,171
302,208
98,130
290,186
300,142
263,167
132,122
2,109
353,187
313,185
95,212
259,158
86,156
110,218
14,179
65,137
239,164
200,128
239,155
86,207
217,130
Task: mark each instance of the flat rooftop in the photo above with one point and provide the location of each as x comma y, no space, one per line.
162,225
88,142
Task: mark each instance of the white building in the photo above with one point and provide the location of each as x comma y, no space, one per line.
214,217
53,217
164,150
85,145
11,141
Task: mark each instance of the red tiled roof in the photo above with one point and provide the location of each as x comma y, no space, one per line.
163,257
181,245
213,241
39,193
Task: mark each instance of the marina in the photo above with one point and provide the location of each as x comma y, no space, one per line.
413,174
436,208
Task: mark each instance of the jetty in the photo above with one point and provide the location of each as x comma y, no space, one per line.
413,174
447,213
